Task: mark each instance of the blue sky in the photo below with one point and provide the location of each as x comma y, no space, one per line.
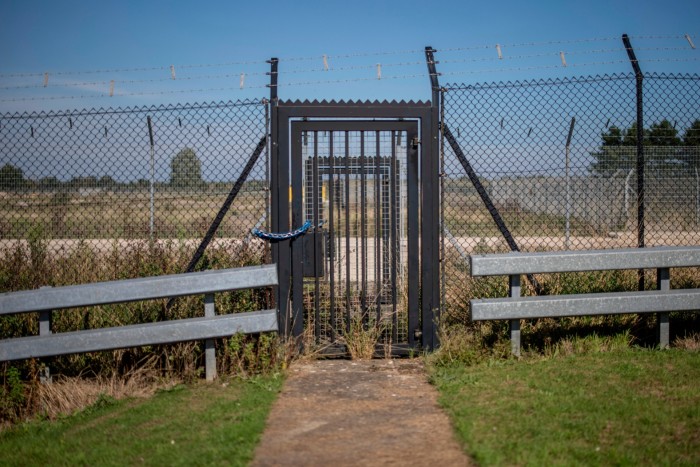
65,37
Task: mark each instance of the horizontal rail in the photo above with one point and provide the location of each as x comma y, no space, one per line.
577,261
130,290
166,332
585,304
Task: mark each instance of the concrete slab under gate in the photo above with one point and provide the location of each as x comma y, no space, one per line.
341,412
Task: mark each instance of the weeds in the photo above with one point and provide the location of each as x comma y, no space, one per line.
362,338
12,395
66,395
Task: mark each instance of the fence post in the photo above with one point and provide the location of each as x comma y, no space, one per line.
663,282
209,345
640,148
514,292
568,183
153,174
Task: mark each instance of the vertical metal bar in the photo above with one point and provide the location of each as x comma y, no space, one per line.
568,184
267,168
413,236
363,229
514,292
430,195
443,227
283,246
430,187
45,318
45,322
377,229
331,231
297,243
640,148
209,344
356,227
153,174
317,231
393,237
663,282
347,232
274,62
279,183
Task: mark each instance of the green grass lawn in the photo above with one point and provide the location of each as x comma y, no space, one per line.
626,407
207,424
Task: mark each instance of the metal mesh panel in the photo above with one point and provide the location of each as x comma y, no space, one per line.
557,159
356,194
113,177
672,154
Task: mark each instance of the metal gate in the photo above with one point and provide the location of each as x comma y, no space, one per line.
365,185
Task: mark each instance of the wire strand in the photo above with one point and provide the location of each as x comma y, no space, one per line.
360,54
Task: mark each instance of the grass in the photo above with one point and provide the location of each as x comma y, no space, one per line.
126,214
204,424
625,406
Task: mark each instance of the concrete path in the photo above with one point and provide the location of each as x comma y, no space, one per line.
341,412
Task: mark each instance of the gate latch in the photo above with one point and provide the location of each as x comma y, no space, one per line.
415,142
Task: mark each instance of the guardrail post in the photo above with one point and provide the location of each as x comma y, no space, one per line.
209,347
514,292
45,330
663,282
45,322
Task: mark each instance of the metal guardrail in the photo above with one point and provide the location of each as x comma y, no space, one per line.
515,307
579,261
207,283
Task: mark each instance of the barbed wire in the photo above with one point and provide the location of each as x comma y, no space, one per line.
346,81
131,94
129,70
243,75
342,56
134,81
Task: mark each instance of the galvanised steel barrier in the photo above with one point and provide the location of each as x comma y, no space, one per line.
515,307
51,299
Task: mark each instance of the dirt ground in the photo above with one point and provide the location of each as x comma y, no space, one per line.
342,412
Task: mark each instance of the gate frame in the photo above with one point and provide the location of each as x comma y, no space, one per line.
291,319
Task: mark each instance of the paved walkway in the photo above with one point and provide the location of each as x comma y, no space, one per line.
340,412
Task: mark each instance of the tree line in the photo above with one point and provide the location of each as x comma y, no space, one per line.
185,173
671,149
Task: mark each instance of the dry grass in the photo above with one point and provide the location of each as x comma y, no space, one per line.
362,339
67,395
691,342
126,214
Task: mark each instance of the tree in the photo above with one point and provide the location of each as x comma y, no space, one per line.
186,170
615,152
107,182
691,146
49,183
662,134
12,178
617,149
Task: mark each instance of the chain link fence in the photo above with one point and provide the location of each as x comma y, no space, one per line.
557,162
114,178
